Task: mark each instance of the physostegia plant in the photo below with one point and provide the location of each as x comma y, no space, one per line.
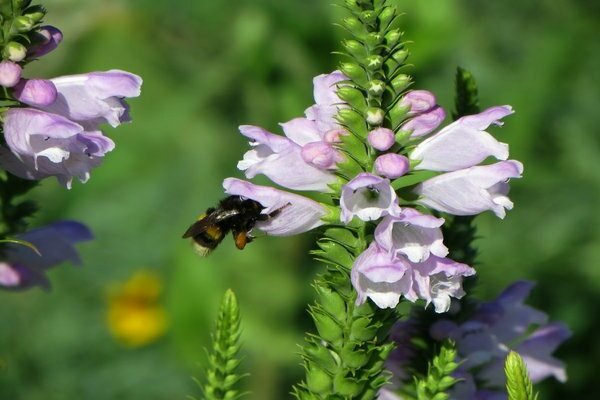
398,189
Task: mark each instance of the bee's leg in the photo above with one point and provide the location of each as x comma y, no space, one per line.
272,214
241,238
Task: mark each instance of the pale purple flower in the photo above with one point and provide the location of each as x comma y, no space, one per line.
327,101
321,155
379,275
281,160
412,234
438,279
471,191
462,144
368,197
22,268
484,341
425,123
381,139
391,165
47,39
44,144
293,214
95,97
418,101
35,92
10,73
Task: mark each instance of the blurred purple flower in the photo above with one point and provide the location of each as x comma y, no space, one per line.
21,268
44,144
294,214
471,191
412,234
47,39
95,97
368,197
462,144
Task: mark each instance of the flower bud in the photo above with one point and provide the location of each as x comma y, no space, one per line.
393,37
375,116
373,39
10,73
14,51
374,62
355,48
35,13
425,123
400,56
353,97
381,138
368,16
352,5
386,16
334,135
376,87
398,112
391,165
353,71
320,154
418,101
24,23
45,40
35,92
355,27
400,82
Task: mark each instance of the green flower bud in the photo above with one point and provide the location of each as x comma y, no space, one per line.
354,97
355,27
373,39
375,116
21,4
329,329
374,62
317,380
398,113
347,387
24,23
393,37
376,87
362,329
352,5
400,82
14,51
354,72
333,303
354,358
355,48
349,118
36,13
368,16
400,56
386,16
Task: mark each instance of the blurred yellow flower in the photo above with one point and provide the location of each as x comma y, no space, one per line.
135,316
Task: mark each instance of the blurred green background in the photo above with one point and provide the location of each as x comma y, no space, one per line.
209,66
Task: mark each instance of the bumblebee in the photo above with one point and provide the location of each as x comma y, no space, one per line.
235,214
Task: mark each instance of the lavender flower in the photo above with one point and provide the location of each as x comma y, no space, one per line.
411,234
327,101
368,197
48,38
294,214
21,268
471,191
35,92
10,73
424,123
381,139
392,165
462,144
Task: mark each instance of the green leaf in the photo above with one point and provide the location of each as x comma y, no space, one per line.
412,179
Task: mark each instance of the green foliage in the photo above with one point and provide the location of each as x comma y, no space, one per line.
221,378
14,212
438,381
518,383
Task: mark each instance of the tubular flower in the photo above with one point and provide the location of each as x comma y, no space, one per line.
47,39
463,143
327,101
60,136
471,191
22,268
368,197
291,214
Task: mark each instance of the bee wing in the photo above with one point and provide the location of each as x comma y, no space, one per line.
211,219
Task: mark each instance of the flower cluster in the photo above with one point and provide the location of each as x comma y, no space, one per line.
407,257
21,267
484,340
56,130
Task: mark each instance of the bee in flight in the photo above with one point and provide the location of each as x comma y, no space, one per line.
235,214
